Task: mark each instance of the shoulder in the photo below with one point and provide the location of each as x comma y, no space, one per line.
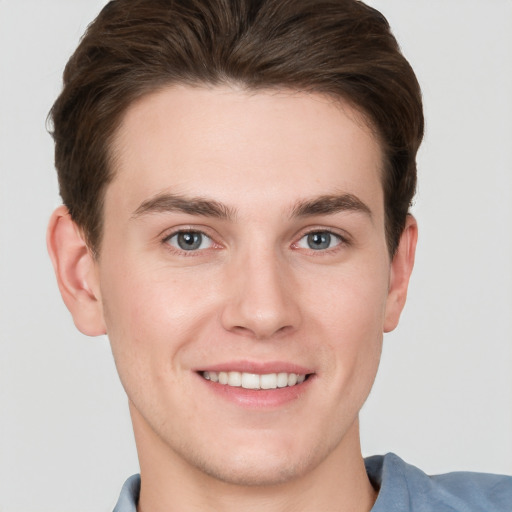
405,488
129,495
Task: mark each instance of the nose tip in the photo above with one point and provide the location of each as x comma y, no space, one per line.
261,302
260,325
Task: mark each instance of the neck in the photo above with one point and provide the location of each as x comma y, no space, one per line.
169,483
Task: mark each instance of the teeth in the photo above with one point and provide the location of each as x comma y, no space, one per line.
250,381
254,380
282,380
235,379
292,379
268,381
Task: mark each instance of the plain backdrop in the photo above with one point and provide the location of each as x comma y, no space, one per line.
443,397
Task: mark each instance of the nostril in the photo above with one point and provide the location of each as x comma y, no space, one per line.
243,331
260,332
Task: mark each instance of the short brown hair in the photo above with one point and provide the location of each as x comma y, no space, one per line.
341,48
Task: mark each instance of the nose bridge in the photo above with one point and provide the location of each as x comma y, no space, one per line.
260,302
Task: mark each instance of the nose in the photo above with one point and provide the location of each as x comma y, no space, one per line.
262,300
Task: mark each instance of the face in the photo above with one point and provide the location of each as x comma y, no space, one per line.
244,278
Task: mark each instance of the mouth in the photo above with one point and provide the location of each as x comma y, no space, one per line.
255,385
255,381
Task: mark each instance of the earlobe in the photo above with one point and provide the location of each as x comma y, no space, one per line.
76,272
401,268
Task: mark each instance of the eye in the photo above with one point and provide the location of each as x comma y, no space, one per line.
189,241
319,241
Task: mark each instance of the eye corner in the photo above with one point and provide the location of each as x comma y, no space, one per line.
188,241
321,241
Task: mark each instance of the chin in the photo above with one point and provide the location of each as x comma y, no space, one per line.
248,472
259,463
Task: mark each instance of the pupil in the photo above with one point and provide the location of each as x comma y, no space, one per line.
319,241
189,241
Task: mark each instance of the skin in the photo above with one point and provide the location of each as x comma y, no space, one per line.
255,292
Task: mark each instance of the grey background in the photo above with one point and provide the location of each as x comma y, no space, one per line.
443,397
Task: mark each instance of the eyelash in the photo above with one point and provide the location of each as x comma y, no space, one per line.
343,241
192,252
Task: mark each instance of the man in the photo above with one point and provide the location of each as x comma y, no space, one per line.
236,179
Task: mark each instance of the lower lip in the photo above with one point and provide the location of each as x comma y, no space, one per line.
258,398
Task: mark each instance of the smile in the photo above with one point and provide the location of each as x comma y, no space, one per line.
254,380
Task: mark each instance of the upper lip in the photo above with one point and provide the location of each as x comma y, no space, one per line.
257,367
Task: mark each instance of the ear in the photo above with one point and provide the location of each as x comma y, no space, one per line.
401,268
76,271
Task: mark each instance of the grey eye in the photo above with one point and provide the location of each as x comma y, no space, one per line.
319,241
190,241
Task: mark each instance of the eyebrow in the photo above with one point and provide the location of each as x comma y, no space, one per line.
196,205
329,205
201,206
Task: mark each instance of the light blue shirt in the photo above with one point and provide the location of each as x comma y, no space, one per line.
405,488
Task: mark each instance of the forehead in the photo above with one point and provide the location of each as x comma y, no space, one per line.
268,145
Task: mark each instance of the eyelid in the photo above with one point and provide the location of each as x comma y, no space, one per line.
185,228
343,237
170,233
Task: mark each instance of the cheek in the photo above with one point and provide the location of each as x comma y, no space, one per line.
351,300
152,312
350,311
146,328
